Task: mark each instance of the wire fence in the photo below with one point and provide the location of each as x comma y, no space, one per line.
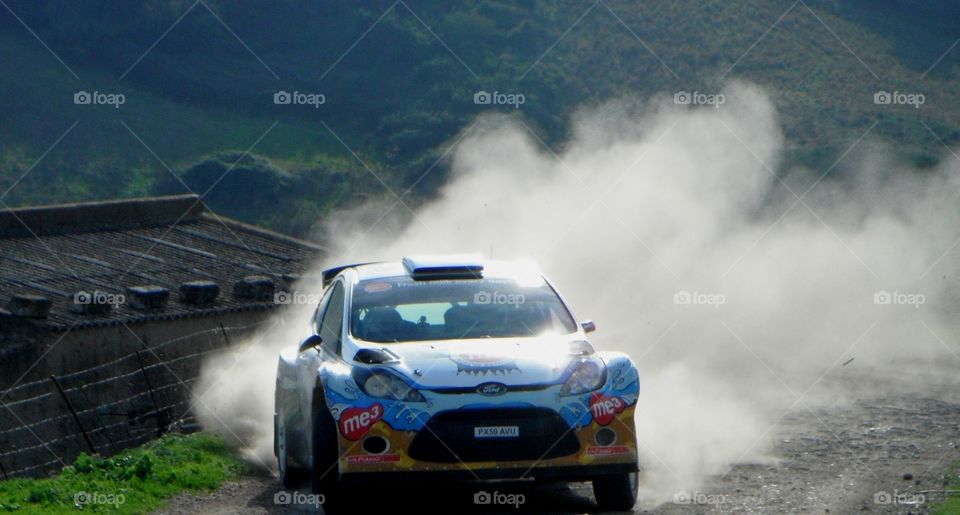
107,407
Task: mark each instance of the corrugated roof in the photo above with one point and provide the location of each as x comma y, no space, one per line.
56,251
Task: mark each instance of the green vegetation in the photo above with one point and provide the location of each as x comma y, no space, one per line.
399,80
951,505
135,481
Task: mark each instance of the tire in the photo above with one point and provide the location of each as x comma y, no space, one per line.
616,492
291,476
325,473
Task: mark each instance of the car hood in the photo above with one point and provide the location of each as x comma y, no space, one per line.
467,363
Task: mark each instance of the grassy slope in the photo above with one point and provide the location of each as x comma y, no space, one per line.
100,158
398,95
103,158
135,481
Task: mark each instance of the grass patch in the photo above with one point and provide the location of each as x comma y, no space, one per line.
134,481
951,505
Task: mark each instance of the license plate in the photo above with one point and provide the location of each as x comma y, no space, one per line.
496,432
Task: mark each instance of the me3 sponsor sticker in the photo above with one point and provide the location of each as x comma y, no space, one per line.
605,407
355,422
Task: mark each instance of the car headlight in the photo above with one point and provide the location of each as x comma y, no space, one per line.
384,385
587,376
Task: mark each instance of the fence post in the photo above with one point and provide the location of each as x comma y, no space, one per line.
153,398
76,418
224,331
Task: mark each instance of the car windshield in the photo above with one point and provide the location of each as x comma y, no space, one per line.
401,309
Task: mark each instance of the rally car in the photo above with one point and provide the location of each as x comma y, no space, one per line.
452,367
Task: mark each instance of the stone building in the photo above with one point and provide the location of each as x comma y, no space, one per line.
107,310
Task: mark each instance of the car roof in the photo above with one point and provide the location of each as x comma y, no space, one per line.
385,269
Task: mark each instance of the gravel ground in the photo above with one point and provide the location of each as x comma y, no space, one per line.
848,458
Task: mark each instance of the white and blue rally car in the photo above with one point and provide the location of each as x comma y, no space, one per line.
449,367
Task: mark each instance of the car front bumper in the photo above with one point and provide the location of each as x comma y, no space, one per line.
549,473
573,453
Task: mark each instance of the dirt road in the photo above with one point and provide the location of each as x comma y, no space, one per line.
868,456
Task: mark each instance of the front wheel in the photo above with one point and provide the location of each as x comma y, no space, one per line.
290,476
616,492
325,473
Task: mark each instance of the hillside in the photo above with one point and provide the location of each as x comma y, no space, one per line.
398,82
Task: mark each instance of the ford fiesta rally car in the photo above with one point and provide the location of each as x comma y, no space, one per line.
452,368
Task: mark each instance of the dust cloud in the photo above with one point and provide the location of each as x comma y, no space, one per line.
741,290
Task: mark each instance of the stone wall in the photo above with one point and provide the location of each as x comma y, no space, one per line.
101,389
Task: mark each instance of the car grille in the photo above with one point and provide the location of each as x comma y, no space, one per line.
449,436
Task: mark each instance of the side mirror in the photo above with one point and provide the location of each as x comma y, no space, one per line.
310,342
588,326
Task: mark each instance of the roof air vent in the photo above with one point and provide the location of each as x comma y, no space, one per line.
199,293
93,302
148,298
289,280
30,306
255,287
456,266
